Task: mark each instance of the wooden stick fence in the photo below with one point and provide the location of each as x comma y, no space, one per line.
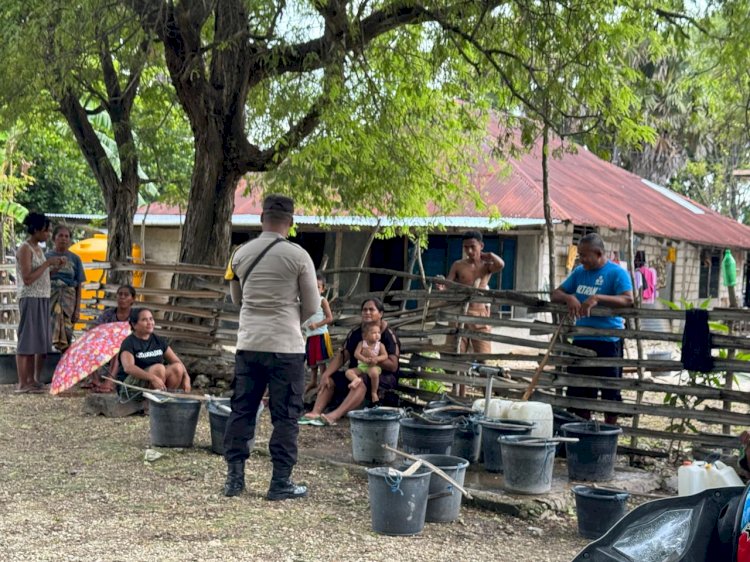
200,323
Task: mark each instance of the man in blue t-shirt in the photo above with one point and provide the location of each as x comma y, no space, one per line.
596,281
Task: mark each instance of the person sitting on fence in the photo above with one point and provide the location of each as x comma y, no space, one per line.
370,353
596,281
142,358
121,313
334,382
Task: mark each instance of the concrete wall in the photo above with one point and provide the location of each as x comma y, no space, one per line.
683,281
162,245
532,266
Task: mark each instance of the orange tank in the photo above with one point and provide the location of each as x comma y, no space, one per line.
93,250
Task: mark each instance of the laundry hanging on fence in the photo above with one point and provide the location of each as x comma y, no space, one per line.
696,342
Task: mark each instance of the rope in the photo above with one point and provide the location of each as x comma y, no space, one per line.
394,483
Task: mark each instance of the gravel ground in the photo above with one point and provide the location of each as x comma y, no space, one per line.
75,487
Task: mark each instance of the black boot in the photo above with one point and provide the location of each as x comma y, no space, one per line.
285,489
235,483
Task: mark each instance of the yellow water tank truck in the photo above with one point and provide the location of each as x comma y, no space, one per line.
93,250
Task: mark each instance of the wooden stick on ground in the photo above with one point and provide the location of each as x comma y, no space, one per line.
435,469
543,362
202,398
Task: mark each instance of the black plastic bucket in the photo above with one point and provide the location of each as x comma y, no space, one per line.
50,363
598,510
492,430
593,458
398,504
421,438
467,438
444,501
528,464
371,429
559,419
8,370
217,419
173,422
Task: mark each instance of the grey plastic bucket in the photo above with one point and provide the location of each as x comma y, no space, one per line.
420,438
8,370
444,501
528,463
492,430
371,429
467,438
598,510
593,458
398,504
173,422
50,364
217,419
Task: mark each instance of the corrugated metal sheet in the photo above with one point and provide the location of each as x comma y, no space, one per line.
584,190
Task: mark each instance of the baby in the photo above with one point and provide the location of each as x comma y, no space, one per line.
370,352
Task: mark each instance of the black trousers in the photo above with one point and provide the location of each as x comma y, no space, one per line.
284,375
603,348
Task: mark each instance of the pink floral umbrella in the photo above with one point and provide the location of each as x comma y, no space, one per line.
92,350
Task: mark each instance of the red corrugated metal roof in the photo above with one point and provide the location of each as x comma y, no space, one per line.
587,190
584,190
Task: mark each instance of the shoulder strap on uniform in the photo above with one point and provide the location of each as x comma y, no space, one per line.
258,258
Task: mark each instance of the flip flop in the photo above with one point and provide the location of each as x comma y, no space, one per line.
316,423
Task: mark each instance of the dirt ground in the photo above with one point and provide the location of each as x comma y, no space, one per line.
76,487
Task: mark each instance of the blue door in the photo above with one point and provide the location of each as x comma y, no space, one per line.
443,250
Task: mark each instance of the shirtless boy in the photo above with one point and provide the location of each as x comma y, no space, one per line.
475,271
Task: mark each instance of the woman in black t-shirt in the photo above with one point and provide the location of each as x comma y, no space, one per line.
143,354
372,313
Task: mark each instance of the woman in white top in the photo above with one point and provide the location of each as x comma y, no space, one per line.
33,285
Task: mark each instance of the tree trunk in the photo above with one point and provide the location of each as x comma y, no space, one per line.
208,221
120,211
548,208
120,196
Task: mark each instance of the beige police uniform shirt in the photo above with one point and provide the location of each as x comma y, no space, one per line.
281,291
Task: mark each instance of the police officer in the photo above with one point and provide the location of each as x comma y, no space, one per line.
275,281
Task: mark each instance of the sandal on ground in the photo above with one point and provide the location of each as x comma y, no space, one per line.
102,389
29,390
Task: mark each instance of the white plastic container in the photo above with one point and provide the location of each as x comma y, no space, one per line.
498,408
719,475
692,477
537,412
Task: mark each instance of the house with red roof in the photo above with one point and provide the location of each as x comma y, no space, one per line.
681,240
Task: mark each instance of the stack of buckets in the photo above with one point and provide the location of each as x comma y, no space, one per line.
592,459
516,440
400,504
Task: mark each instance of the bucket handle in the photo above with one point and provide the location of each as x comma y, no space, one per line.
444,494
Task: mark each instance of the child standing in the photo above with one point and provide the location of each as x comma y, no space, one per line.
318,346
370,352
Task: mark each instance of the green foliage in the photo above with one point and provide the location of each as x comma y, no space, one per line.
426,384
62,182
392,139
